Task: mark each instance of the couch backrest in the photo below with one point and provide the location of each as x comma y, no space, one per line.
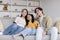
7,21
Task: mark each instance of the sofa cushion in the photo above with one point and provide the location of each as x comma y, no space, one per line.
59,37
29,38
10,37
47,37
34,38
18,38
5,37
7,21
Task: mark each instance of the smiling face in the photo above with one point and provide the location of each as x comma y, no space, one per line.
39,12
24,13
29,17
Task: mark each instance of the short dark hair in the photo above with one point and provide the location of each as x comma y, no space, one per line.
39,9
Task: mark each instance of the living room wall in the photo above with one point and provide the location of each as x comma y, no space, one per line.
19,8
51,8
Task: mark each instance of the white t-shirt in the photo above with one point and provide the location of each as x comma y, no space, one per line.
20,21
40,20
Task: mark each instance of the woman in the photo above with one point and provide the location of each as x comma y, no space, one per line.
31,26
18,25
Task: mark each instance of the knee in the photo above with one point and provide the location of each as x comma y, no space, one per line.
40,29
14,24
54,29
28,29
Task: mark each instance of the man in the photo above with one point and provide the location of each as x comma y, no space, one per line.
45,25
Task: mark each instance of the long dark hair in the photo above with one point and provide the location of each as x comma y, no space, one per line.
26,15
31,20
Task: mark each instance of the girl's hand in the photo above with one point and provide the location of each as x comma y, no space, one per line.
38,24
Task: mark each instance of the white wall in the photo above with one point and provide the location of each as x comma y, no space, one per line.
12,8
52,8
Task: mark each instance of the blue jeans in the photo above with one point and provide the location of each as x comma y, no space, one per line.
13,29
28,31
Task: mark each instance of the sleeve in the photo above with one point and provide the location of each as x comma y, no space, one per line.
48,23
16,20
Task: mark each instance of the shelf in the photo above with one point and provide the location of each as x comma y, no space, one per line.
19,5
13,11
34,0
13,5
10,11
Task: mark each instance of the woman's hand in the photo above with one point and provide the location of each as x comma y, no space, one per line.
44,33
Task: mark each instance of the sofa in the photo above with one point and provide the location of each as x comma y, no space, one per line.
8,21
